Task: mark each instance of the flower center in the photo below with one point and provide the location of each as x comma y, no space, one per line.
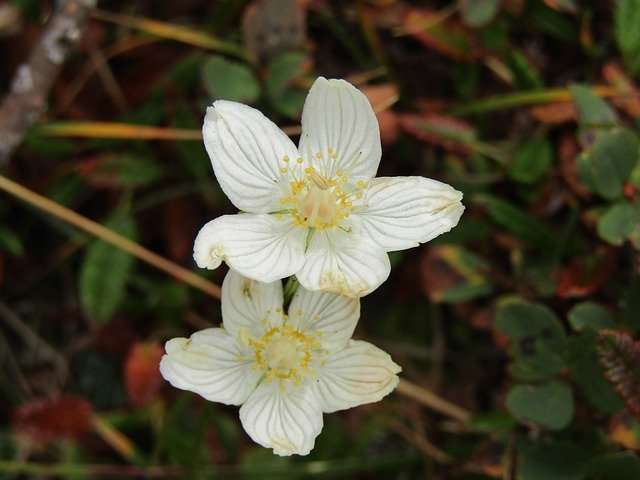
314,200
285,354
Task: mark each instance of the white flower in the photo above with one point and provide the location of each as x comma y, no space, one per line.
285,370
315,211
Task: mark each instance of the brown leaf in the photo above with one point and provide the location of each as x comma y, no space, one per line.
624,430
568,6
568,150
629,100
273,27
142,373
450,133
446,37
179,227
586,274
44,419
554,113
384,95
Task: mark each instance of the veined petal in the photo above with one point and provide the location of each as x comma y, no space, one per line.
360,373
335,316
212,364
343,263
246,302
340,131
246,150
259,246
401,212
287,421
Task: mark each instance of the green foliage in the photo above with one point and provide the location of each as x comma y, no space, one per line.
228,80
105,271
478,13
553,461
10,242
537,340
590,315
626,18
280,88
548,404
607,165
532,161
618,222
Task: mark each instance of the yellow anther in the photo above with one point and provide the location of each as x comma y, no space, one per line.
286,158
299,160
284,170
318,154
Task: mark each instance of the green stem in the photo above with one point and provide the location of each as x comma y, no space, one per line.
290,289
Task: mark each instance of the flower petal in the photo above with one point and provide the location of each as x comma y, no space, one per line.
212,364
338,121
335,316
247,151
402,212
258,246
246,302
287,421
343,263
358,374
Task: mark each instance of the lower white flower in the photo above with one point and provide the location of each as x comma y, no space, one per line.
284,368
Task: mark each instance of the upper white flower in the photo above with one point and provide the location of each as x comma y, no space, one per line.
315,211
285,369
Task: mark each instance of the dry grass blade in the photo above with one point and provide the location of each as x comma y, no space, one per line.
433,401
172,32
109,236
116,130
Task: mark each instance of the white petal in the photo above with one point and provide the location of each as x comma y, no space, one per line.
401,212
288,421
360,373
343,263
247,151
339,117
245,302
212,364
335,316
259,246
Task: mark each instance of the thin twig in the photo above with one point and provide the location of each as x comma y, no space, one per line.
32,81
421,443
109,236
433,401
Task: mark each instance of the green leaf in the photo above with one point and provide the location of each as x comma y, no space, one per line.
490,422
548,404
478,13
518,222
590,315
615,466
283,72
589,375
527,76
105,271
592,110
626,18
618,222
607,165
552,461
10,242
532,161
537,341
228,80
123,171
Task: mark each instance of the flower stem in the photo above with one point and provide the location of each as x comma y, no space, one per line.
290,289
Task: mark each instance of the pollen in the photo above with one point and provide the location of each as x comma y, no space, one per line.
320,197
284,354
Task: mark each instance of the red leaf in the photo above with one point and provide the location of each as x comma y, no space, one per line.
619,354
448,132
446,36
43,419
586,275
142,373
384,94
554,113
629,101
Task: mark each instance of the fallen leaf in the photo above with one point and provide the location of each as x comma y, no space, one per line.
68,416
384,95
629,99
450,133
142,373
554,113
586,274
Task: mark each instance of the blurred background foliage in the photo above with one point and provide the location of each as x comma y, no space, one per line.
526,315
